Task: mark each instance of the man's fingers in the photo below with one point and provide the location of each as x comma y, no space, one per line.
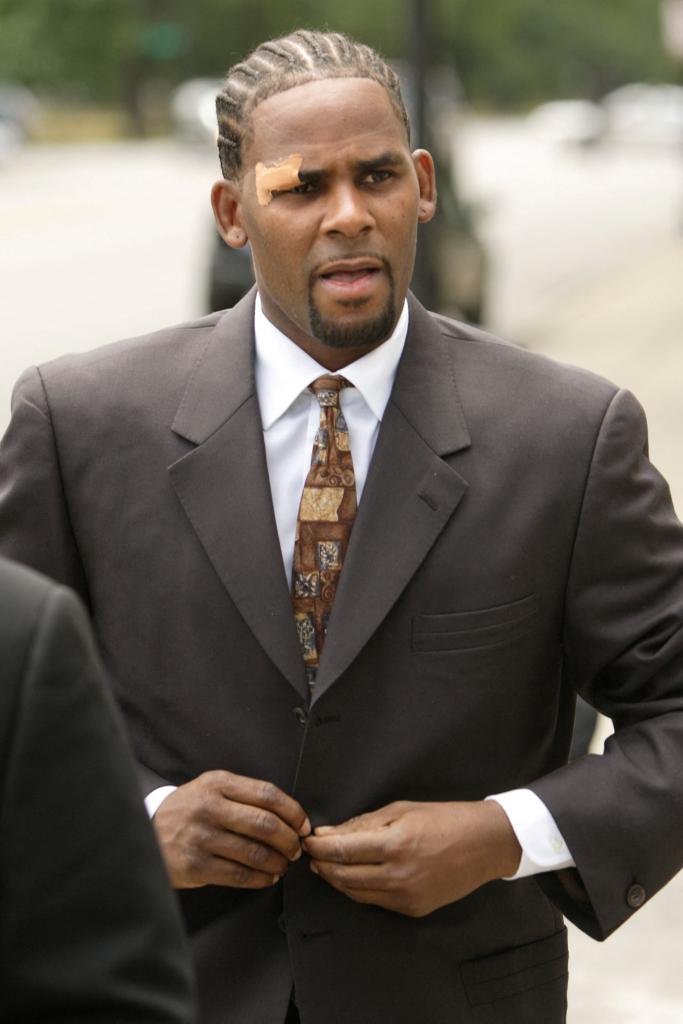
348,847
256,823
365,822
356,886
218,871
266,796
353,878
222,816
378,884
231,847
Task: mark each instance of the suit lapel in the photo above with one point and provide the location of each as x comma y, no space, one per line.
224,489
409,496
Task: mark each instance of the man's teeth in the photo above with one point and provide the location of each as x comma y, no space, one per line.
349,275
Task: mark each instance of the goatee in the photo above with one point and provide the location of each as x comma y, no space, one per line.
331,332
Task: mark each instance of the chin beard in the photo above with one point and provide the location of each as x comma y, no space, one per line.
339,335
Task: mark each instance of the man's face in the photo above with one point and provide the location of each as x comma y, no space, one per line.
334,253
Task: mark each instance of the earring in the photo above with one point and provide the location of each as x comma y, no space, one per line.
236,236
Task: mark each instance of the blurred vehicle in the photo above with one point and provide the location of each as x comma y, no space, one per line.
645,113
455,268
574,122
231,274
19,109
193,110
19,116
637,113
11,138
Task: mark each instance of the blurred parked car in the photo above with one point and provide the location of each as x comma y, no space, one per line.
193,110
19,116
635,113
641,112
456,267
574,122
10,138
19,109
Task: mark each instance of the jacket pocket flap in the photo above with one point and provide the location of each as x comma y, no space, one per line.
477,628
515,970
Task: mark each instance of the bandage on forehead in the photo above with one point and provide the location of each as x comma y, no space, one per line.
279,176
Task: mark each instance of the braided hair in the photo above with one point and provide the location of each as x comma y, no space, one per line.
280,64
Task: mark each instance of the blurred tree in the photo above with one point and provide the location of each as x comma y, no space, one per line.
67,43
509,53
225,30
513,53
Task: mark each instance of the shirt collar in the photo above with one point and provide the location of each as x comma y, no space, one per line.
283,370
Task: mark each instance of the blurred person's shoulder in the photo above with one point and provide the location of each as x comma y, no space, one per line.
23,591
23,596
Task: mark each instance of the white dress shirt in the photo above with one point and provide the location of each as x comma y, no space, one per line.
290,417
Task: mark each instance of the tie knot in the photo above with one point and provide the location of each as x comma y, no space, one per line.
326,389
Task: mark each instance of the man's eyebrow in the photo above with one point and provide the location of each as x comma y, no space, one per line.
388,159
310,177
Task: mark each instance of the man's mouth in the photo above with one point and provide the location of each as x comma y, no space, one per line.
350,276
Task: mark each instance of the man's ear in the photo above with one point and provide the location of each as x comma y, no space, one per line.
426,178
226,204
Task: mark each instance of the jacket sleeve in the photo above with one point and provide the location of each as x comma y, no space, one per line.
90,928
621,813
35,521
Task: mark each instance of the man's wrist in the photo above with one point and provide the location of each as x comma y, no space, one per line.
154,799
506,852
543,846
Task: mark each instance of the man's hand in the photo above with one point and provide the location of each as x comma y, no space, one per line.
416,857
225,829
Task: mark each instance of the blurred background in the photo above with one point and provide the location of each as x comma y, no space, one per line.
558,132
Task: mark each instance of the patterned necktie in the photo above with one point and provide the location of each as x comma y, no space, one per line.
323,526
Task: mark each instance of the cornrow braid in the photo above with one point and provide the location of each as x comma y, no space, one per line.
281,64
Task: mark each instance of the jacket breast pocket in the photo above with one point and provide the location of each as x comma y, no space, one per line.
515,970
481,627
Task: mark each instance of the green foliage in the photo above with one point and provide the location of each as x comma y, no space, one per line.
517,52
67,44
509,53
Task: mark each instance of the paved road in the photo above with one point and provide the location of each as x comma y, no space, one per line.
588,259
99,242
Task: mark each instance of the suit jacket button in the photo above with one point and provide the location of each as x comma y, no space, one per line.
301,715
635,897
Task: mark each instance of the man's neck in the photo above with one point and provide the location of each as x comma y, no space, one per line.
332,357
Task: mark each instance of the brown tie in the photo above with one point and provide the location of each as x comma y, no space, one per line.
323,526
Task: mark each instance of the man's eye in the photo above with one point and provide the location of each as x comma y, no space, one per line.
301,190
375,177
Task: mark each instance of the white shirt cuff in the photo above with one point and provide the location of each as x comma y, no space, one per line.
543,845
157,797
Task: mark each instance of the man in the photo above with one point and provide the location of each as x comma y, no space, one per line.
477,535
88,927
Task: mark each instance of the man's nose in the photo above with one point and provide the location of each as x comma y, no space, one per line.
347,212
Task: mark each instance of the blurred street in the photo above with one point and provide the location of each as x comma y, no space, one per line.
98,242
587,250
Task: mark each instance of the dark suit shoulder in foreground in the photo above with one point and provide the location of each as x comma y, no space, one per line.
88,927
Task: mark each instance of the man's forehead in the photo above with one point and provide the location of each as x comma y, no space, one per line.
326,117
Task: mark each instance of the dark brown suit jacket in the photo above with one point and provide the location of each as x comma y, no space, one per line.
513,545
89,933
